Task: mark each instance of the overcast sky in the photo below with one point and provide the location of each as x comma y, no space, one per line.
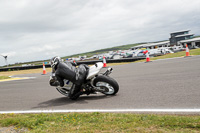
40,29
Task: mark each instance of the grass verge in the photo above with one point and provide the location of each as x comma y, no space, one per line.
101,122
17,72
4,77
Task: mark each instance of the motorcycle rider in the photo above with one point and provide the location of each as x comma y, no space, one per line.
69,71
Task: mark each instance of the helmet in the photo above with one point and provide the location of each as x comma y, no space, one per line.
55,61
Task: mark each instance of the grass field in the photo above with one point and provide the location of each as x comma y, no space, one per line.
10,73
101,122
4,77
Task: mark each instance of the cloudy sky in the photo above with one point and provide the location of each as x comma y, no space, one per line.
40,29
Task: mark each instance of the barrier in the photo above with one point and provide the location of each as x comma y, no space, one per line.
78,63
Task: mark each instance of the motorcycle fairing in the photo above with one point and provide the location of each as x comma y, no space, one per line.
94,70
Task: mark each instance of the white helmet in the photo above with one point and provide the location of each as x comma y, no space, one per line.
55,61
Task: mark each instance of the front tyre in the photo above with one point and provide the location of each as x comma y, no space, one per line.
108,84
63,91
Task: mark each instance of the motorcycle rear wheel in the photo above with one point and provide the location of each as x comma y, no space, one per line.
109,84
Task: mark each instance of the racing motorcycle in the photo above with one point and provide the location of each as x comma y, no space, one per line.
94,82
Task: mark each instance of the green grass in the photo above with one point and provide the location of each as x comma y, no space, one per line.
173,55
101,122
4,77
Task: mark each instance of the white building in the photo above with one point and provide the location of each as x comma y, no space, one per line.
192,43
152,45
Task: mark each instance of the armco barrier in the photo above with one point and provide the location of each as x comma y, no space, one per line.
79,62
21,68
112,60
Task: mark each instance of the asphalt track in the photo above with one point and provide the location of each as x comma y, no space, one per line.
162,84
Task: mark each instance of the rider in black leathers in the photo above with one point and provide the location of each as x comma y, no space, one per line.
68,70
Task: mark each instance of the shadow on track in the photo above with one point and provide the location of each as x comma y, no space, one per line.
66,101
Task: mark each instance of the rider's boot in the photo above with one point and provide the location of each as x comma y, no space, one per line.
75,92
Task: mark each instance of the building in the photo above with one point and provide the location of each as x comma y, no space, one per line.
152,45
179,36
192,43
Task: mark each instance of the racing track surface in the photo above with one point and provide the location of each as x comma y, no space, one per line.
162,84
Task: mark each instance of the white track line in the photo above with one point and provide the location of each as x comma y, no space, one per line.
23,77
107,110
16,78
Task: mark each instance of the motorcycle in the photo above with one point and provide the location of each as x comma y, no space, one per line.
94,82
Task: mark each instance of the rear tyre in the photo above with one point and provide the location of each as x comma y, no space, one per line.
108,84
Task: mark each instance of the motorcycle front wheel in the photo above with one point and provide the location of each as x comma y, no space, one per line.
108,84
63,91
